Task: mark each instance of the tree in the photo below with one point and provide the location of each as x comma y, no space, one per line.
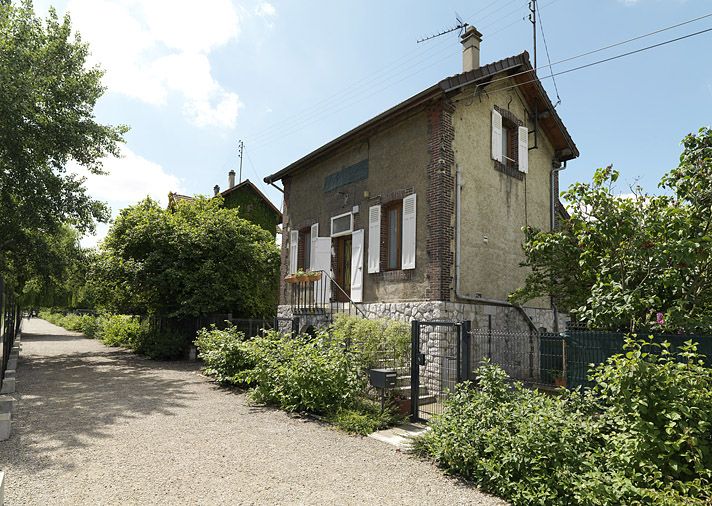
194,259
47,98
641,262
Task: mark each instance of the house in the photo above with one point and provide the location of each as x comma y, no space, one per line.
418,212
254,205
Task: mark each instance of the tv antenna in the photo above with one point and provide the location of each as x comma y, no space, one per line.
461,25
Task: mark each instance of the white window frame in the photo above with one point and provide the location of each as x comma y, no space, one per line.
345,232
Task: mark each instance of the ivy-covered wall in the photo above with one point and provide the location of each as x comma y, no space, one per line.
253,208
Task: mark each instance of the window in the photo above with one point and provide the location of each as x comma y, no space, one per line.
341,225
304,255
509,143
393,214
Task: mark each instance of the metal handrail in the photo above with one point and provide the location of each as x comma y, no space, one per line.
358,309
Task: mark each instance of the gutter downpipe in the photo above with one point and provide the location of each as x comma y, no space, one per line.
458,294
554,171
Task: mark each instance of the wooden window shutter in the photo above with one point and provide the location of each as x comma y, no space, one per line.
293,251
409,245
314,237
497,136
374,239
523,154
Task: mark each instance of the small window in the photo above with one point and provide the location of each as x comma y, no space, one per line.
393,214
341,225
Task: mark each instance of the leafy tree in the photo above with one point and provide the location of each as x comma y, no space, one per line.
195,259
641,262
47,98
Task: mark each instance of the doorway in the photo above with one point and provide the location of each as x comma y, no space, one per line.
343,267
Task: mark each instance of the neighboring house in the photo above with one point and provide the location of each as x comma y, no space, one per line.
418,212
254,205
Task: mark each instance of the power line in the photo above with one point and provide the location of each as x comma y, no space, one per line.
310,120
598,62
372,80
548,58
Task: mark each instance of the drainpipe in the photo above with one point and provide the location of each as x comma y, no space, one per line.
554,199
458,255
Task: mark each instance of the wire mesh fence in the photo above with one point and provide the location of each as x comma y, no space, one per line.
536,359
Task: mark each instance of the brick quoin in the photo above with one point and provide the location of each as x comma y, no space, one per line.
440,200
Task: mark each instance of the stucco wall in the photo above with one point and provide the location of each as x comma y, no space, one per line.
495,206
397,160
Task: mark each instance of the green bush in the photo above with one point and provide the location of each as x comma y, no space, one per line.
120,330
160,344
302,373
363,418
89,325
374,340
641,435
225,353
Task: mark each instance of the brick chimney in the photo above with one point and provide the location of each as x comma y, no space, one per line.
471,49
231,179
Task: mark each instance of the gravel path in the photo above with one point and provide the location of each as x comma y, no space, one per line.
98,425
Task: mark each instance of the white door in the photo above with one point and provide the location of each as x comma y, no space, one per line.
321,261
357,266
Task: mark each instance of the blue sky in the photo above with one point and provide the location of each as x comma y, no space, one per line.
192,78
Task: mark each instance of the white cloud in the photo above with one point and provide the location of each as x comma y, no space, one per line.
265,9
129,179
150,49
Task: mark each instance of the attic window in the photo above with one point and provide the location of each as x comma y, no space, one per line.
510,143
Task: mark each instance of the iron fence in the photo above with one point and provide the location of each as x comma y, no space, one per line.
10,321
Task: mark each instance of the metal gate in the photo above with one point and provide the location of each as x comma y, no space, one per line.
440,358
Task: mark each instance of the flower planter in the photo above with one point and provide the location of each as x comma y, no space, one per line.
303,278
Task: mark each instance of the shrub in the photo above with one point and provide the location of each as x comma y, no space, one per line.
374,340
225,354
119,330
302,373
363,418
89,325
641,435
520,444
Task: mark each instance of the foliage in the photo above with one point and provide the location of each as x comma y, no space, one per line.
196,258
47,98
303,373
641,435
363,418
373,340
640,262
119,330
253,208
225,353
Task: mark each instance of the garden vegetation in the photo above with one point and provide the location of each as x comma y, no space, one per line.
641,435
325,374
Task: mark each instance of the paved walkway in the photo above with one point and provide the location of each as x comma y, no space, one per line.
98,425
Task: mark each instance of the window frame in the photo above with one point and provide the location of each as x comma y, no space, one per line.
304,249
345,232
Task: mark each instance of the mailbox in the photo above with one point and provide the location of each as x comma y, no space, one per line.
382,378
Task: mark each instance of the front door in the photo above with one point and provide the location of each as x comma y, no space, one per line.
343,268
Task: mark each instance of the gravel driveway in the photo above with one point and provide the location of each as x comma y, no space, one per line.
98,425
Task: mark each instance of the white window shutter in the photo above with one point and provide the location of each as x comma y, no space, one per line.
357,266
374,239
312,251
497,136
523,154
408,246
321,261
293,250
